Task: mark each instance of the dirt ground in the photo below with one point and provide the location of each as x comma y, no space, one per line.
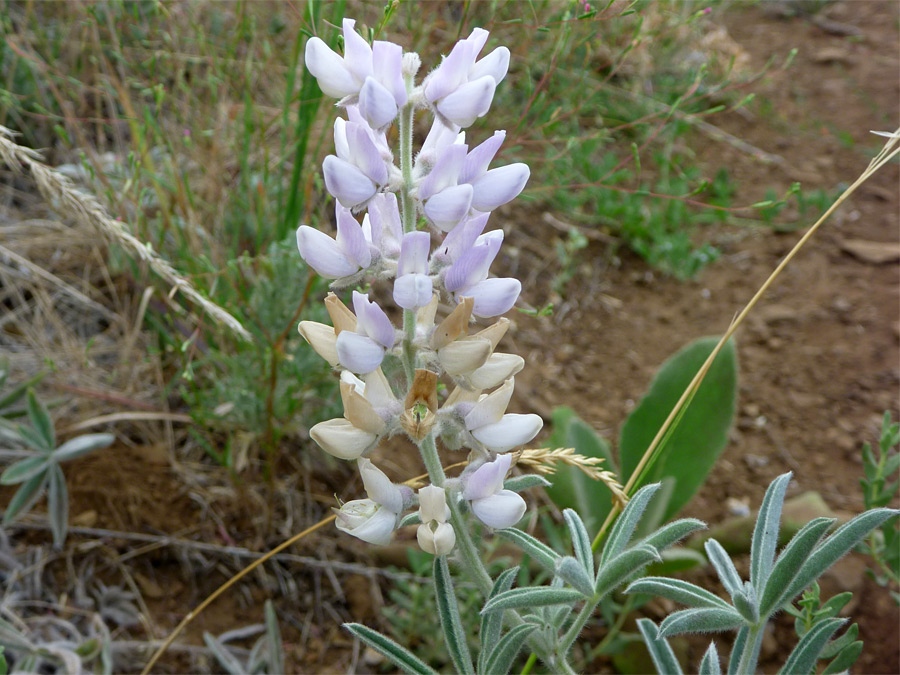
818,366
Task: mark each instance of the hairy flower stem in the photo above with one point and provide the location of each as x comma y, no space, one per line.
750,654
408,219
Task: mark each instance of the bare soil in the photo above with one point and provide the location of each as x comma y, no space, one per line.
818,366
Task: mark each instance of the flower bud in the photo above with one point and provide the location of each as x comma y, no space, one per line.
439,541
339,438
322,339
433,504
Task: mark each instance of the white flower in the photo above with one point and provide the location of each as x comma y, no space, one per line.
373,519
491,504
435,535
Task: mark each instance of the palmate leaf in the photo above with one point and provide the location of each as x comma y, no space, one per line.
536,549
624,566
399,656
701,620
701,432
23,470
720,560
451,623
573,573
581,542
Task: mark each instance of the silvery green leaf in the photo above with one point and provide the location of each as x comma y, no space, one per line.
4,669
836,546
806,653
504,654
410,519
789,563
399,656
737,649
225,658
19,391
4,370
680,591
845,660
719,558
765,533
710,664
537,550
13,638
624,528
448,610
274,645
33,439
670,534
26,496
581,542
700,620
23,470
660,651
492,622
745,603
521,483
526,598
81,445
624,566
106,657
40,420
574,574
835,647
58,505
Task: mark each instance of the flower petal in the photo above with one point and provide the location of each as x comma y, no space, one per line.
468,102
379,487
412,291
321,338
503,509
447,208
487,479
346,183
495,64
480,157
387,62
494,296
414,249
357,52
495,370
463,356
351,239
341,439
323,253
376,529
329,69
445,172
472,266
438,542
372,321
510,432
433,504
358,353
489,409
377,104
499,186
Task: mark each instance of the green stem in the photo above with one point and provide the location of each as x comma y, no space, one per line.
428,450
587,611
405,131
750,655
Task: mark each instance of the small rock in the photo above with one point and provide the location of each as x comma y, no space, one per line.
833,55
874,252
751,410
755,461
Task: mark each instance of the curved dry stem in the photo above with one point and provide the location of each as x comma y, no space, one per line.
890,150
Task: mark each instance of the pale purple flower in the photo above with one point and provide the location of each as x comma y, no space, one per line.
363,350
413,287
492,188
382,226
340,257
498,431
355,174
461,88
374,519
491,504
468,275
374,74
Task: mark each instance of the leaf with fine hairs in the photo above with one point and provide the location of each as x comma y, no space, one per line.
680,591
581,542
527,598
504,654
623,567
58,505
720,560
623,530
522,483
660,651
399,656
806,653
536,549
23,470
710,664
573,573
701,620
26,496
81,445
451,623
40,420
765,533
492,622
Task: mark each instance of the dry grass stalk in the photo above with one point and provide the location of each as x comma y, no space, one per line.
67,200
546,461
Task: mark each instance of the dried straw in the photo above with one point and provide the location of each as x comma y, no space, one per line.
67,200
